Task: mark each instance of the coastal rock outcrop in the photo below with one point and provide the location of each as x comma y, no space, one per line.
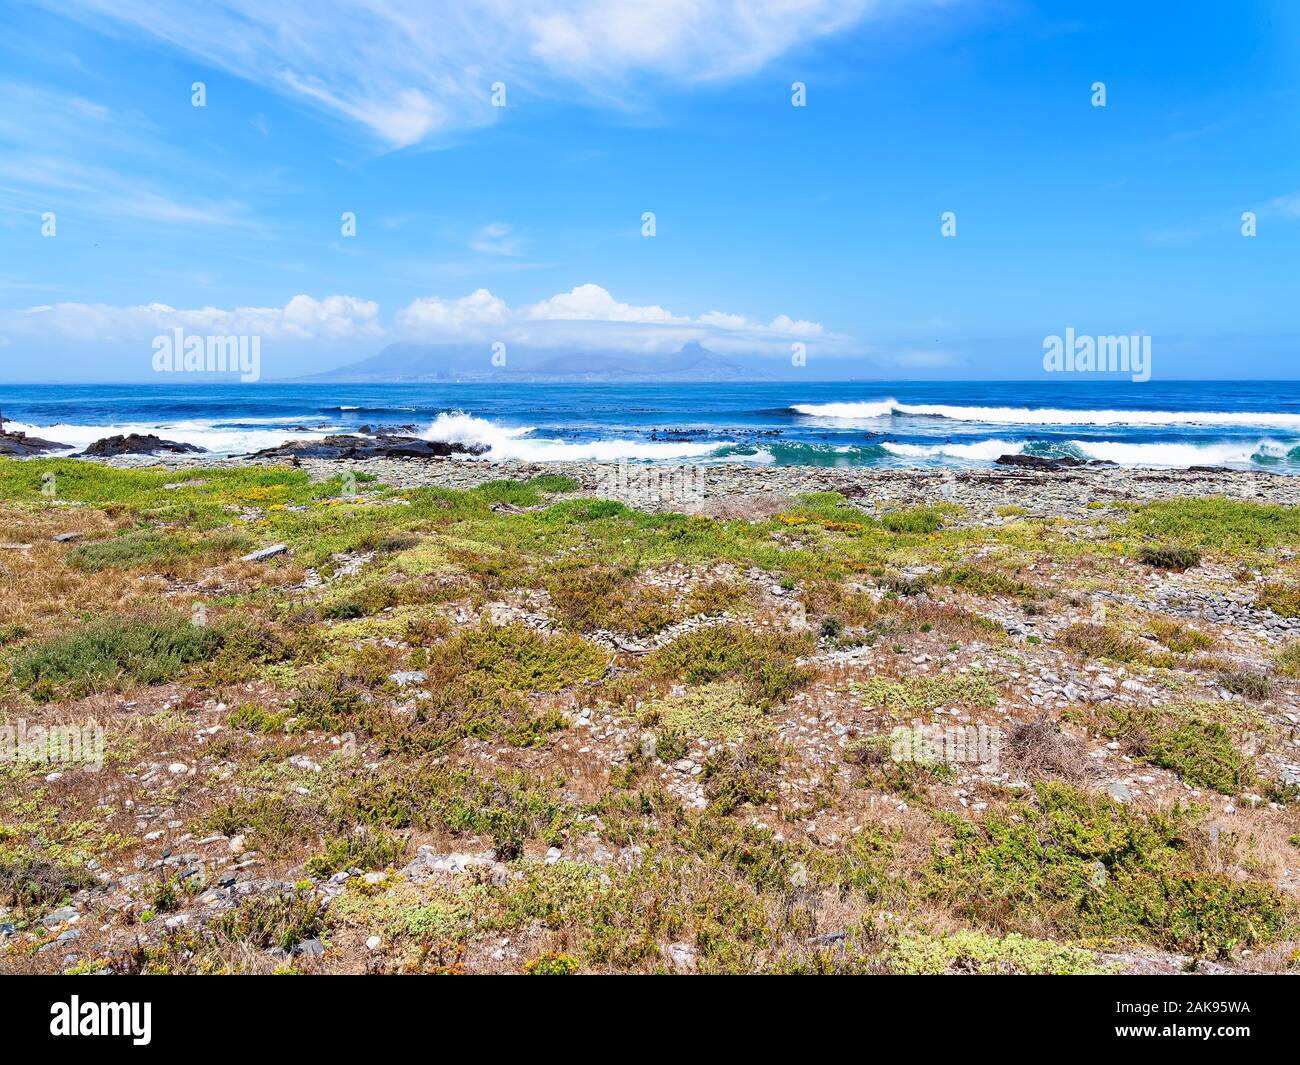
136,444
20,445
380,446
1038,462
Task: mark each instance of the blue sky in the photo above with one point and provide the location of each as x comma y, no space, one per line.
774,224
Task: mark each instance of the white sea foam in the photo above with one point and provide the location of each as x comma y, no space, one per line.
851,412
1241,453
976,451
203,433
520,443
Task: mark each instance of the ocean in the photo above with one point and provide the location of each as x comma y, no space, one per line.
1240,424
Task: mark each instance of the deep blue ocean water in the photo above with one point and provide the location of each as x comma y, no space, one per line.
1244,424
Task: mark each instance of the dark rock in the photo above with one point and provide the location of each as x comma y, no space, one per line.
1037,462
380,446
20,445
135,444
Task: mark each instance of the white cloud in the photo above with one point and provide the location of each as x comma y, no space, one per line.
591,303
333,319
409,69
586,318
432,316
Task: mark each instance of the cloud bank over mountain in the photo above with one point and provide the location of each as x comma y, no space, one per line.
587,318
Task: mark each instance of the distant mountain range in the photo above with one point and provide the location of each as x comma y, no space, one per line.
447,362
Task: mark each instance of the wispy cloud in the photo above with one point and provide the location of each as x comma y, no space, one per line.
496,239
407,70
41,128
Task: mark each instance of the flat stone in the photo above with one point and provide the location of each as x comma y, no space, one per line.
60,916
1118,791
265,553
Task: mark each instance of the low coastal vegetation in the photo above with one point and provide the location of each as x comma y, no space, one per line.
348,726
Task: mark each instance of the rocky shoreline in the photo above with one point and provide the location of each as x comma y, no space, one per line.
718,490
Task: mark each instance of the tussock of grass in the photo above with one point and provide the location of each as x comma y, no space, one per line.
877,768
31,881
1102,641
103,655
831,599
742,776
1179,638
1248,683
988,582
264,921
762,662
1287,660
588,598
1281,597
717,711
156,550
927,693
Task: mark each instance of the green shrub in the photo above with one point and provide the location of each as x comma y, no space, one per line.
916,520
1169,556
1217,524
1101,641
156,550
928,692
747,774
987,582
763,663
1281,597
1091,867
918,954
265,921
102,655
588,598
1188,740
365,851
